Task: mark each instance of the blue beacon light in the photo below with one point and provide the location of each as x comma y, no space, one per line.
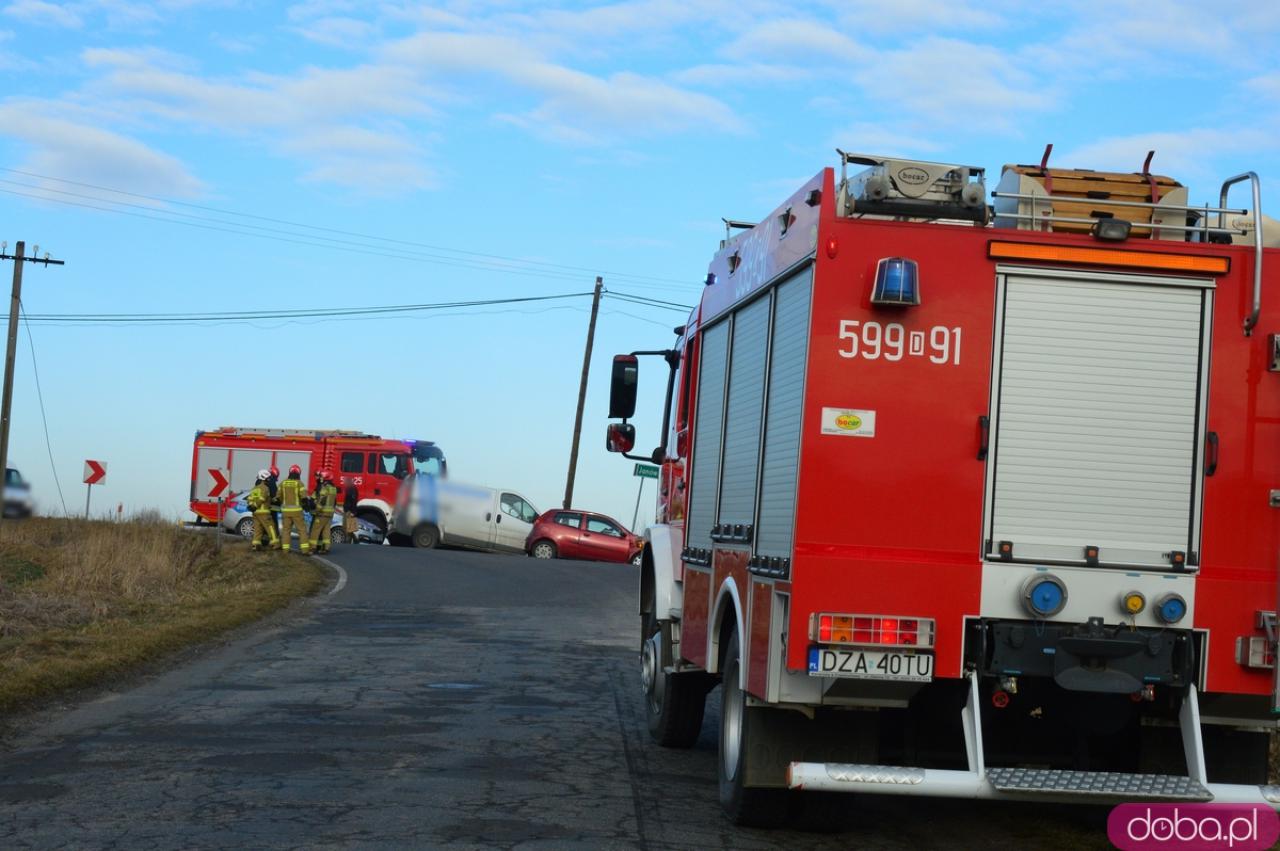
897,282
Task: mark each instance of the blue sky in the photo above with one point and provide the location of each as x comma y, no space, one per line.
608,139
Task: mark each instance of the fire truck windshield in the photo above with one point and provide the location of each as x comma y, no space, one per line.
427,458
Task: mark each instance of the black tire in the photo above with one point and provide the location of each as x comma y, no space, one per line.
674,703
426,536
336,535
244,528
744,805
543,549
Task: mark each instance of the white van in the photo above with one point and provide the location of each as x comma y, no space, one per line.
432,511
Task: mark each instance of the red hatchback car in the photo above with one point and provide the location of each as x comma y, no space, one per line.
564,533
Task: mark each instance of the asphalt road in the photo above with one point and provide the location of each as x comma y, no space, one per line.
437,699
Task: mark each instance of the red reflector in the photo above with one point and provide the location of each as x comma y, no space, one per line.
889,630
824,628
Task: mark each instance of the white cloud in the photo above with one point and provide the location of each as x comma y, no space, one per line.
40,12
78,151
335,31
752,74
896,16
345,125
922,80
795,39
879,140
1268,85
1199,155
577,107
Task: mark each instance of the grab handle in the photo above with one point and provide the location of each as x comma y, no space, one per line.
1252,319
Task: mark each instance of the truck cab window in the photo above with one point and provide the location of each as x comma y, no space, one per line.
518,508
389,464
351,462
429,467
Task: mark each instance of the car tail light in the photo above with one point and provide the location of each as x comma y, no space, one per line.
882,630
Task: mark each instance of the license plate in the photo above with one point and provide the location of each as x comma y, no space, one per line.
905,665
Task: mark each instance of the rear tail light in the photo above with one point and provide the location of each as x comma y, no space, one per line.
880,630
1255,652
1258,651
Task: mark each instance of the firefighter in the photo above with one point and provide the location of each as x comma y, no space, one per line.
290,493
273,482
264,528
350,505
326,498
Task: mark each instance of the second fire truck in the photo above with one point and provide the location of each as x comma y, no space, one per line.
968,500
375,465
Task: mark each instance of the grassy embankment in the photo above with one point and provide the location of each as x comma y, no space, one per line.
82,601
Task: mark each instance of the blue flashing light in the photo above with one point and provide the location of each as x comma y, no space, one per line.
897,282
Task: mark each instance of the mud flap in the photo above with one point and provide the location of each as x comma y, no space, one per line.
777,737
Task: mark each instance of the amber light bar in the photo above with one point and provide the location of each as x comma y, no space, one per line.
1210,264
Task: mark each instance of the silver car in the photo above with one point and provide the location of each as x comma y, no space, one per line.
239,519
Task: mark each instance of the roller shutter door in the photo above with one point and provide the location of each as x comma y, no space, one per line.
780,463
705,476
1099,420
743,413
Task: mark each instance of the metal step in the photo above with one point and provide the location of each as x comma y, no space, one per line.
1101,784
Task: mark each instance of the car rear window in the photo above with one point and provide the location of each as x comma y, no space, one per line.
568,518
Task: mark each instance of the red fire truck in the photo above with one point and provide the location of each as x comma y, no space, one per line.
972,500
375,465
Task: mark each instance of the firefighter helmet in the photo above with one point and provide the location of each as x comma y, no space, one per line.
263,475
295,469
275,471
326,476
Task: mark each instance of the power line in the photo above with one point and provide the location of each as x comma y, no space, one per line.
679,308
333,313
481,257
43,419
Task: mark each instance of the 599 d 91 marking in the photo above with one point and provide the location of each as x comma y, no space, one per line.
872,341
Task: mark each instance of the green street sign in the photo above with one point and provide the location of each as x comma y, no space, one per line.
646,471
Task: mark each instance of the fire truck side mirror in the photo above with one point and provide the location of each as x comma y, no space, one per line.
621,437
622,391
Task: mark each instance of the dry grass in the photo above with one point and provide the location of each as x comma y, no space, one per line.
81,601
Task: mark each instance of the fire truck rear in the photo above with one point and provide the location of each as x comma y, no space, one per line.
969,500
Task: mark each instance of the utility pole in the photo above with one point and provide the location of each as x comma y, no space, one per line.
582,393
15,304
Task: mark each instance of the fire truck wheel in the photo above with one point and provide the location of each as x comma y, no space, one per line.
744,805
674,703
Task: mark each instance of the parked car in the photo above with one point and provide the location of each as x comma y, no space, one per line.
431,511
17,494
561,533
239,519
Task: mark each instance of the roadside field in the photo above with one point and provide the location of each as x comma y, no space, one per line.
83,601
